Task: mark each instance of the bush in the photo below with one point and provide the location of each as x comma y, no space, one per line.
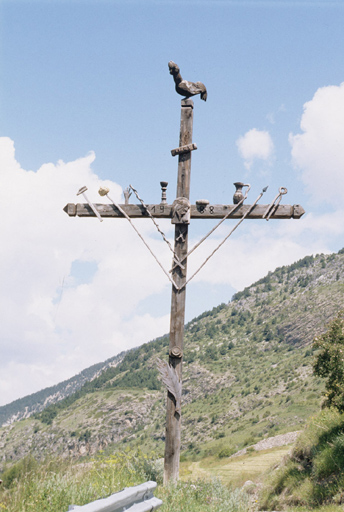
249,441
19,470
143,378
227,451
329,362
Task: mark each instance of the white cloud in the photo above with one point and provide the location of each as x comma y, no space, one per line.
255,145
52,325
259,247
319,151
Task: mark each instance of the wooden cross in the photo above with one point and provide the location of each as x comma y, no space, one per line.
180,212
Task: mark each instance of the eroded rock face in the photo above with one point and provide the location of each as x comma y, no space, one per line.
271,442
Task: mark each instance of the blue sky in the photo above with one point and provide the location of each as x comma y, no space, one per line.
87,99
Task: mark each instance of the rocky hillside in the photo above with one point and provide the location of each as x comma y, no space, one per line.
246,376
25,407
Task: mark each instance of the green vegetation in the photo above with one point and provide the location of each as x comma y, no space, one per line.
142,378
55,484
305,262
329,362
130,373
313,474
235,471
201,496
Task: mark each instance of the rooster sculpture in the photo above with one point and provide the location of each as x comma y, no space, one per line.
185,88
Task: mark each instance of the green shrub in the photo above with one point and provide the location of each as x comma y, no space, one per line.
329,362
227,451
18,471
249,440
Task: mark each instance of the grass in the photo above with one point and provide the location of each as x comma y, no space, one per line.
313,475
202,496
234,471
311,478
53,485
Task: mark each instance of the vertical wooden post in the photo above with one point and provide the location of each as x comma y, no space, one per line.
173,419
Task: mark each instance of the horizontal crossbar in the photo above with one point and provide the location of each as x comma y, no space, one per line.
164,211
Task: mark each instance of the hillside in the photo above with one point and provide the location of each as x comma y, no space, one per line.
247,376
36,402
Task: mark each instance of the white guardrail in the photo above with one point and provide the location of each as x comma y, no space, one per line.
132,499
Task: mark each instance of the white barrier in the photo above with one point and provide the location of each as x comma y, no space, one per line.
132,499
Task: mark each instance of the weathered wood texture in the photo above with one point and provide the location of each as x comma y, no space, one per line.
177,320
183,149
170,378
164,211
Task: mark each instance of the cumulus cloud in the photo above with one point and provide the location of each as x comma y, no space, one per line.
54,325
318,152
255,145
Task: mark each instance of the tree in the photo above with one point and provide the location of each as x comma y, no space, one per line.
329,362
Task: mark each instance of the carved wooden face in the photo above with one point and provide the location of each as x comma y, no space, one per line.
181,211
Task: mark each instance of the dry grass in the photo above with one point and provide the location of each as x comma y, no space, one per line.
237,470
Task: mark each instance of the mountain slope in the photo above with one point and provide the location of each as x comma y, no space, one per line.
36,402
247,375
